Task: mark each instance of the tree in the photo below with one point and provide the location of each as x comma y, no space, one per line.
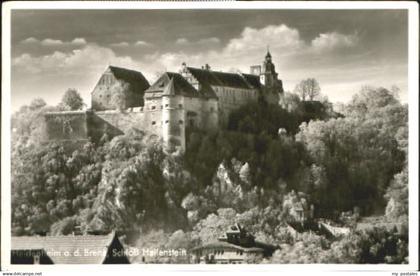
308,250
71,100
308,89
357,155
37,103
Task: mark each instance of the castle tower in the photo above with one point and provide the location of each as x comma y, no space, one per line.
272,89
268,75
173,125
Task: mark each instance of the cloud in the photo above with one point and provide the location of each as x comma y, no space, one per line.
278,37
333,40
210,40
30,40
92,58
285,43
201,42
182,41
49,42
78,41
141,43
120,44
125,44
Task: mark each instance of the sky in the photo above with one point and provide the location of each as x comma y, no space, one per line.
343,49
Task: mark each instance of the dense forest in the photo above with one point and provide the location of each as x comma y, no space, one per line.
353,159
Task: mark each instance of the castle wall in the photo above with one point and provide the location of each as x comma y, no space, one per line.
67,125
231,99
116,122
210,114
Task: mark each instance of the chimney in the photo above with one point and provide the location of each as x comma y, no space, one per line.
207,67
184,66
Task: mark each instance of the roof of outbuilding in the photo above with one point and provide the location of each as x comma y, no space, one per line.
223,244
61,244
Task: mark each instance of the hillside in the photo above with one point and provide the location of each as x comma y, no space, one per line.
267,161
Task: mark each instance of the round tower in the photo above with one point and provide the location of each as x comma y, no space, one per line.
173,125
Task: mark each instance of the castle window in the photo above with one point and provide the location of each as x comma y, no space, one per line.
153,123
166,105
211,109
181,122
161,106
153,107
166,121
180,105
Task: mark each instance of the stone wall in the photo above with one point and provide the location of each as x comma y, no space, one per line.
83,125
231,99
67,125
114,122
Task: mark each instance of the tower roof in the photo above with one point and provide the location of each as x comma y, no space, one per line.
169,88
268,55
173,84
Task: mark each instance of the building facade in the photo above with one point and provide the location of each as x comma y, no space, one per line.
235,246
70,249
192,98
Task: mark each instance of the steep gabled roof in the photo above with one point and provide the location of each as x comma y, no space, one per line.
174,84
204,77
61,244
231,80
252,80
169,88
136,79
207,91
213,78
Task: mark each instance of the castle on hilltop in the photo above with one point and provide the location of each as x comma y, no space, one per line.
199,98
